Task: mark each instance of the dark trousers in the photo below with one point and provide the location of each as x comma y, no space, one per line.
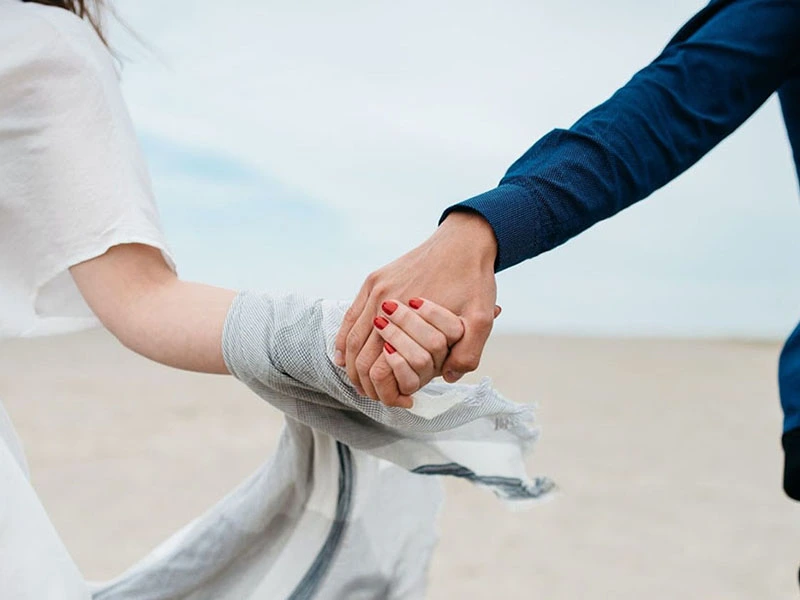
789,382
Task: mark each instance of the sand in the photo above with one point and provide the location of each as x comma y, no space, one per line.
667,454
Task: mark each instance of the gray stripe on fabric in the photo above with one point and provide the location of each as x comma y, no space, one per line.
310,583
511,488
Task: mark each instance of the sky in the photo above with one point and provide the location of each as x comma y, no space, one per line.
295,147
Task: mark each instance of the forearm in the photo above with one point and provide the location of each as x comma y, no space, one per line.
142,302
178,324
707,82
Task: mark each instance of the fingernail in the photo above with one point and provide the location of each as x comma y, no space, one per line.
389,348
415,303
389,307
452,376
380,322
360,390
338,358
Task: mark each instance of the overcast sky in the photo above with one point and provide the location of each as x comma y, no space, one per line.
297,146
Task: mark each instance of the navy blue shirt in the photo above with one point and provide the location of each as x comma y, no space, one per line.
716,72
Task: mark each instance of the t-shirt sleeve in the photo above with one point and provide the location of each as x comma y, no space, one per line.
73,177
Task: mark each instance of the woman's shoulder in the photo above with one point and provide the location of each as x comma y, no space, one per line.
43,38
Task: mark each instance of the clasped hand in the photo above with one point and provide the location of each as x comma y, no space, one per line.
391,347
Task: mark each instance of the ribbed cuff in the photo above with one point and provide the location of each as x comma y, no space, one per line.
791,465
508,210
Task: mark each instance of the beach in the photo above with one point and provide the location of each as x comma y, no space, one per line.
666,452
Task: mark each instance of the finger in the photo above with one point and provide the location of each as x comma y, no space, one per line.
438,317
350,318
405,380
465,356
364,362
356,340
415,355
427,336
383,377
408,381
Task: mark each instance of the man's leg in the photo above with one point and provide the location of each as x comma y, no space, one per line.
789,381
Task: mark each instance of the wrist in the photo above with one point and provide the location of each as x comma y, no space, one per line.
473,234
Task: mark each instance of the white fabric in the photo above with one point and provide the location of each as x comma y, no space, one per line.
345,509
271,538
282,348
34,564
72,179
338,512
322,518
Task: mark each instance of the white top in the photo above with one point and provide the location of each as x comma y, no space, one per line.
73,182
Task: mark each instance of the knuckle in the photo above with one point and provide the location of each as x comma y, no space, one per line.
459,329
380,372
472,364
354,342
380,290
482,321
407,387
376,284
351,341
350,314
421,363
465,364
372,279
438,344
363,365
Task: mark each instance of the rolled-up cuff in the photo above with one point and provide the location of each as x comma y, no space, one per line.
508,209
791,465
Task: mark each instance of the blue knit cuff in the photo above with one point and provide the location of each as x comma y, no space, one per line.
507,208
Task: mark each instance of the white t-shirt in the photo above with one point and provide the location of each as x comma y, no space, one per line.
73,182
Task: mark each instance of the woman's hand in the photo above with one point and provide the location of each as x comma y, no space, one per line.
455,267
417,339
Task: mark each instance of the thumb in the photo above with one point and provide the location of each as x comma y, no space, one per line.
465,355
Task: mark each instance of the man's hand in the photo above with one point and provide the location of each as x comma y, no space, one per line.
454,268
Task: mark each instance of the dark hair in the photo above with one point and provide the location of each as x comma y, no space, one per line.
90,10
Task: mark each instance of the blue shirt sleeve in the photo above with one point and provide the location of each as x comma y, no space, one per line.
716,72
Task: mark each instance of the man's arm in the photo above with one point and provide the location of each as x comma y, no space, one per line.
711,77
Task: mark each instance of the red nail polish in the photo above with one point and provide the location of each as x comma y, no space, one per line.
389,348
415,302
380,322
389,307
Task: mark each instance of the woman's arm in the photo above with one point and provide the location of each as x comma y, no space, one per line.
142,302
